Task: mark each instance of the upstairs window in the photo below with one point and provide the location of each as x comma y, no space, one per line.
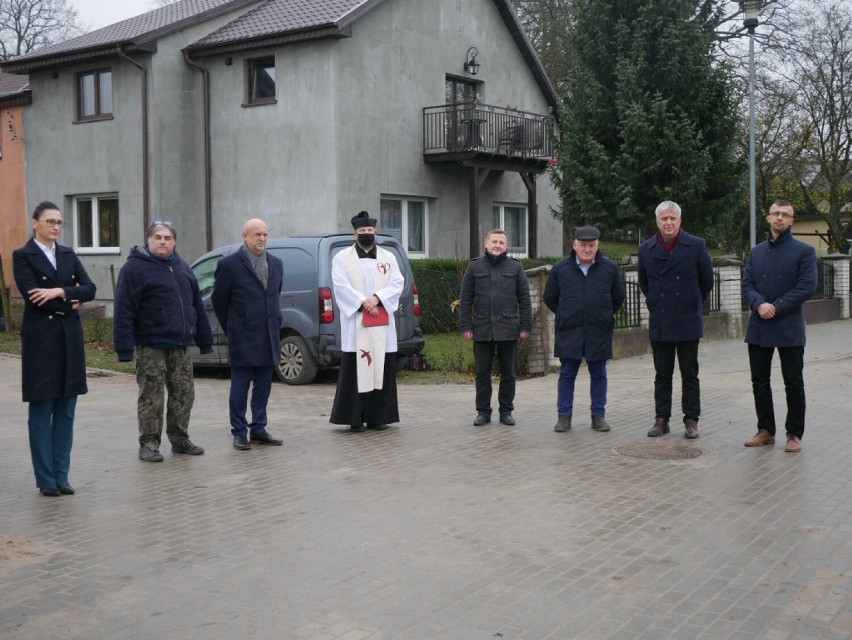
261,78
94,95
96,223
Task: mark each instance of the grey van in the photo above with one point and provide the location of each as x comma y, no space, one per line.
310,331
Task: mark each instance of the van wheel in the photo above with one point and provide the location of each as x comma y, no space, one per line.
297,365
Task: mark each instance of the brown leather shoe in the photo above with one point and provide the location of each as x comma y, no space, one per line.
660,428
794,445
761,438
691,428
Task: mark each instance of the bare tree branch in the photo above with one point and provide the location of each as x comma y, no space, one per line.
30,24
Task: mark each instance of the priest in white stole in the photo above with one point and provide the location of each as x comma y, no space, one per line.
366,278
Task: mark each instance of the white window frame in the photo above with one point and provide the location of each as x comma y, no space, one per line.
95,198
403,240
498,211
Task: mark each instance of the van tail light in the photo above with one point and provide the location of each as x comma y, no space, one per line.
416,292
326,307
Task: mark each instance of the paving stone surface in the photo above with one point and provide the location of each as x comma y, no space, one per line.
436,529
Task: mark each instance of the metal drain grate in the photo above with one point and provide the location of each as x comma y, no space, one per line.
658,451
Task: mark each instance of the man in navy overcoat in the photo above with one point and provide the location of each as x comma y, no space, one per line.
780,275
246,300
676,276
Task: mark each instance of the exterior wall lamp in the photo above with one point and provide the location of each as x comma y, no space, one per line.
471,66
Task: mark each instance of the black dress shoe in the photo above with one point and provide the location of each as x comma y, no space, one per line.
481,419
66,490
377,427
263,437
660,428
357,428
507,419
691,426
241,442
50,492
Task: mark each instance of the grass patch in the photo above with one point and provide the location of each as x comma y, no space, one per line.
449,352
98,355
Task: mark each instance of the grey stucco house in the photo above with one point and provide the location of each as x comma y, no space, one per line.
432,114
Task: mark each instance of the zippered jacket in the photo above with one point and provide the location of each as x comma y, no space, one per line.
158,303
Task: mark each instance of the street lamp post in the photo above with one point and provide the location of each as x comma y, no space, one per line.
750,9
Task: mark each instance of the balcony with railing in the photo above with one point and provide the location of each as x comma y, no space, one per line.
457,132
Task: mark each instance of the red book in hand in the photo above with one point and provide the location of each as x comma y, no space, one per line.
376,321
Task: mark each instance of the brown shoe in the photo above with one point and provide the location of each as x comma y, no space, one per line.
794,445
691,425
660,428
761,438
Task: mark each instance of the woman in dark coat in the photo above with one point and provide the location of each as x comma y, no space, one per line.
53,283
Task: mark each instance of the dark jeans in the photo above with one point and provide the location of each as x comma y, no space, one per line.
597,386
483,351
261,380
687,360
51,430
792,363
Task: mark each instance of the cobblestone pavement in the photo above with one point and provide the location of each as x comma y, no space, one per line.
438,529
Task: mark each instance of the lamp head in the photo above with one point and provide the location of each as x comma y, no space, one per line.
751,11
471,66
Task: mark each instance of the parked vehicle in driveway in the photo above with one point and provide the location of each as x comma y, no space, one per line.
310,331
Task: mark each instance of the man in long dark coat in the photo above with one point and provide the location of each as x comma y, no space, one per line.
247,302
676,276
585,291
780,276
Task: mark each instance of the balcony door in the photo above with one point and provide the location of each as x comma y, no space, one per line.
460,97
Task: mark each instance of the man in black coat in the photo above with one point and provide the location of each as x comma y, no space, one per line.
676,276
247,302
780,276
585,291
494,311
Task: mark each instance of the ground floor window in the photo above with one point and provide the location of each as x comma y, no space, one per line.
405,219
96,223
513,220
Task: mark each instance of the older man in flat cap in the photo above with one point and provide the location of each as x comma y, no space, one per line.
585,291
367,285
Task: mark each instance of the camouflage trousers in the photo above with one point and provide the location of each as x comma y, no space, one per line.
158,371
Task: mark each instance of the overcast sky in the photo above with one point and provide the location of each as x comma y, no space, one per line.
99,13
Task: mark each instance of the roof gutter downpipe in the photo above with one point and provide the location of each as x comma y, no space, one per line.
208,172
145,180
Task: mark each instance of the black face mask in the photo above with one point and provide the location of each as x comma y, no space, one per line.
366,239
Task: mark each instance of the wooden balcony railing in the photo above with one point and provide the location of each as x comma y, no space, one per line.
465,127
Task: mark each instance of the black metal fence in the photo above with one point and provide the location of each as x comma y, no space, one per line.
714,300
825,280
630,314
471,126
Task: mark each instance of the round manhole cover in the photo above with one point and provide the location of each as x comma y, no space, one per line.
658,451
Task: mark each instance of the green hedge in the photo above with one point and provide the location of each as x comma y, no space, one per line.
439,281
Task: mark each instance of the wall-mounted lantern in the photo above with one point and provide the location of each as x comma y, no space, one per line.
471,66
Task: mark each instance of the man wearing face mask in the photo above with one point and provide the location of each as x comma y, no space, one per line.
367,286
